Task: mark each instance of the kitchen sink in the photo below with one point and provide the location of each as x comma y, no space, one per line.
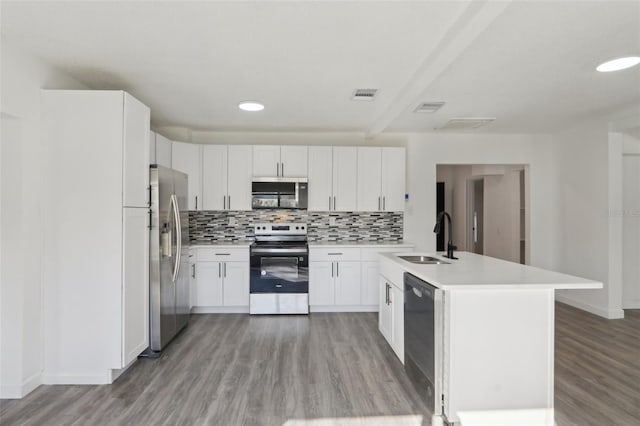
424,260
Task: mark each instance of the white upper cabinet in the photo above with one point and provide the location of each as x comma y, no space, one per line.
152,147
136,153
345,164
185,157
214,177
393,179
163,151
320,194
267,162
239,177
280,161
369,179
332,178
293,161
226,177
381,179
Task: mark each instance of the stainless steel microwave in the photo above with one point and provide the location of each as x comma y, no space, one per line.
279,193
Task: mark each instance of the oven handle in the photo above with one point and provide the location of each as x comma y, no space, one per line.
294,251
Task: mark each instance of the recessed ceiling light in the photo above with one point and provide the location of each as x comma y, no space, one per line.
619,64
251,106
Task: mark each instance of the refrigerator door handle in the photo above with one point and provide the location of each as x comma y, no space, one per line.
176,264
179,223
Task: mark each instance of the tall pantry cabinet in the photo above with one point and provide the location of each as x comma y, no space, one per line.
96,198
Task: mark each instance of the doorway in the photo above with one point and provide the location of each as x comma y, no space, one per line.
488,205
475,215
631,231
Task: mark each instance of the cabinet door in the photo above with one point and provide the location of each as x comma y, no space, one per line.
321,283
384,312
209,284
345,165
369,178
185,157
163,151
397,308
135,288
239,177
267,162
347,281
393,179
214,177
152,147
293,161
369,283
236,283
320,178
136,153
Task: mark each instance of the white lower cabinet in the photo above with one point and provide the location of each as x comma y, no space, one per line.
344,278
221,285
391,315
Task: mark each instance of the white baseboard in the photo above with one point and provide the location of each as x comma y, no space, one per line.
220,310
605,313
355,308
75,379
631,304
20,391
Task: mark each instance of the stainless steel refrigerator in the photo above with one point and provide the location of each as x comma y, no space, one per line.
169,256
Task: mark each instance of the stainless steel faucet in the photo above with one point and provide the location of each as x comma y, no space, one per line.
436,229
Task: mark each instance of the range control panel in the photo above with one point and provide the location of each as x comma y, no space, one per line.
280,229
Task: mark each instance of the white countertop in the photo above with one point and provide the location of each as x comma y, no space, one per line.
357,244
222,244
472,271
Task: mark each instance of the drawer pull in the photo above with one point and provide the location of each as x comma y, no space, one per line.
334,254
223,254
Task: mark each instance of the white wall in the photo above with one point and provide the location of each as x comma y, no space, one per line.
21,326
425,151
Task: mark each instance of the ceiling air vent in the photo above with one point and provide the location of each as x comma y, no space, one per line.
466,123
364,94
428,107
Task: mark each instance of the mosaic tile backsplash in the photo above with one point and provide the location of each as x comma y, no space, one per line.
214,226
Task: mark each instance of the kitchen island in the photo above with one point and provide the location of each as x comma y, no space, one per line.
494,330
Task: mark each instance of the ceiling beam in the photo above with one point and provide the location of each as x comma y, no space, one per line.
473,20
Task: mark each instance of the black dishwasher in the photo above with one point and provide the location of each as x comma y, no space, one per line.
423,338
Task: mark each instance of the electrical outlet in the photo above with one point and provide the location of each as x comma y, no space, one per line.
332,221
232,221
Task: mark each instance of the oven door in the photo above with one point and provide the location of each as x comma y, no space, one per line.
279,270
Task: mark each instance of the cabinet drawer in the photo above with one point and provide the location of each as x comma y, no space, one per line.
217,254
392,272
320,254
370,254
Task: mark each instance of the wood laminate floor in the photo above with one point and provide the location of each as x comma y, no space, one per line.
325,369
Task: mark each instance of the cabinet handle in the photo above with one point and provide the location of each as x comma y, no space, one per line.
196,202
229,202
219,270
282,169
337,269
193,270
277,169
331,269
224,268
224,202
329,202
378,203
334,202
384,203
223,254
334,254
389,292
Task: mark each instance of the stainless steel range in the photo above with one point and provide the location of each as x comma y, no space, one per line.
279,269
